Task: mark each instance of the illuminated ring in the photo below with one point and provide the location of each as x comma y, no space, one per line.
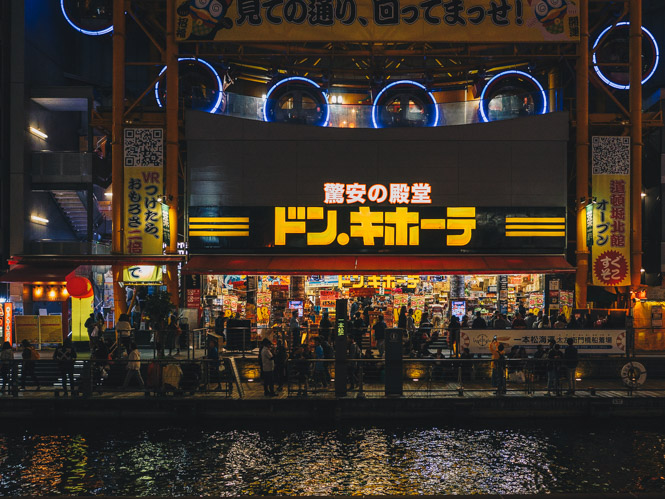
220,89
607,80
297,78
404,82
503,74
81,30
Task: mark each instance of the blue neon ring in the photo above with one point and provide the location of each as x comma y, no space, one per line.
404,82
502,74
297,78
81,30
215,107
607,80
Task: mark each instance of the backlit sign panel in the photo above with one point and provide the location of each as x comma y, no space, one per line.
376,229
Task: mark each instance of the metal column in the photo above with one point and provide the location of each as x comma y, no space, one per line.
635,99
582,157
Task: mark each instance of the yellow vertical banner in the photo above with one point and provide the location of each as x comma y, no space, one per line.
610,250
143,210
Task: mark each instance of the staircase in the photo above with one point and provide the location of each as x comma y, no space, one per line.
75,212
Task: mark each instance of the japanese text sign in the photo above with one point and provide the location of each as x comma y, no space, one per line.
142,273
377,20
376,229
610,252
338,193
143,211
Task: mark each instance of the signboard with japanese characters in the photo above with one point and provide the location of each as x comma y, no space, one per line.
142,274
607,341
143,210
377,20
412,229
610,252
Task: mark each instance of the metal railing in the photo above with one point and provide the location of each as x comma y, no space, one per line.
418,378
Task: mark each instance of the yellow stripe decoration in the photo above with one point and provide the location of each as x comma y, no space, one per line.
220,233
213,226
524,233
239,220
546,227
552,220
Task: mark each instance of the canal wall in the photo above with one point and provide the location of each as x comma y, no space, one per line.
339,409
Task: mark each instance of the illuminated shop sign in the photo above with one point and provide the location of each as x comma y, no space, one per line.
142,274
376,229
338,193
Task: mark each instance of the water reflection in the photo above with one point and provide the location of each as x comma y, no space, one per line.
317,461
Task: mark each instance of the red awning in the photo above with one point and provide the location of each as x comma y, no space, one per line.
377,264
38,273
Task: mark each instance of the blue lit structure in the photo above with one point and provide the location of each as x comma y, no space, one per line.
609,82
220,89
375,106
79,29
309,82
484,102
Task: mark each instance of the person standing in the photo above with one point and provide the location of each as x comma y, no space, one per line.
479,322
294,329
380,335
66,355
268,364
325,326
319,366
554,357
29,356
134,367
219,326
6,366
280,364
213,364
570,357
90,325
453,334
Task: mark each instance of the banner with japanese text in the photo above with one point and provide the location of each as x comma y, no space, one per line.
143,211
610,250
377,20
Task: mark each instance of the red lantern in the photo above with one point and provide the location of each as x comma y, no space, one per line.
79,287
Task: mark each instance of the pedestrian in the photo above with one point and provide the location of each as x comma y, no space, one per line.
401,320
213,364
301,366
124,331
133,366
544,323
65,354
294,329
101,366
219,326
280,364
380,335
325,326
359,328
519,322
561,322
422,337
479,322
354,353
90,325
172,335
501,322
499,370
319,366
6,366
268,364
554,357
29,356
570,357
453,334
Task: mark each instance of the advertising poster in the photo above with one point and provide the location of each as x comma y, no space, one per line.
458,308
27,328
378,20
8,321
328,299
50,328
610,250
608,341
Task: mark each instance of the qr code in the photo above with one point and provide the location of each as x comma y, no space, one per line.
144,147
610,155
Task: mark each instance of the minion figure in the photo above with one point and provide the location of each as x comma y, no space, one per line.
551,13
207,17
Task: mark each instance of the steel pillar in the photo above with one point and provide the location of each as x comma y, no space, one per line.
635,100
582,157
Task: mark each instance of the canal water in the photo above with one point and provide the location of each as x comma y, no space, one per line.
224,459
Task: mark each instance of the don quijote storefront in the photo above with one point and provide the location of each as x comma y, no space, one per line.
446,220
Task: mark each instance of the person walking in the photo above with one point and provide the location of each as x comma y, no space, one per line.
380,334
29,356
6,366
453,334
134,367
124,331
570,358
325,326
93,331
66,355
280,364
268,364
